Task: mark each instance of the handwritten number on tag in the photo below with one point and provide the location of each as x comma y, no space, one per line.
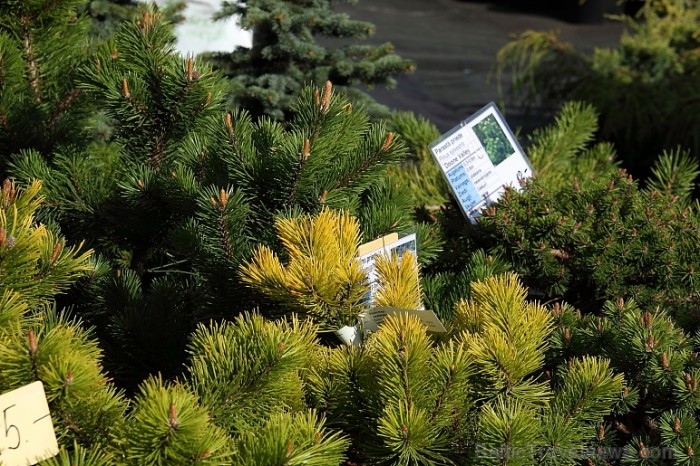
26,433
10,427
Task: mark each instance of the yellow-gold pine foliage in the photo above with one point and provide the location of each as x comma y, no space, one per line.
36,263
322,278
506,335
399,281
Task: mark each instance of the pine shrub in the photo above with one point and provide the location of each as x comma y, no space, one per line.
178,198
638,87
604,241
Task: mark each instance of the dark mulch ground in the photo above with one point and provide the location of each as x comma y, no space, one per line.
454,45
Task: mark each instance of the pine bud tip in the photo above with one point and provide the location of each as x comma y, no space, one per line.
33,345
55,252
190,66
148,20
387,142
172,417
567,335
125,88
307,149
643,450
326,96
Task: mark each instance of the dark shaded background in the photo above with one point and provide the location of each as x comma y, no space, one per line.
454,45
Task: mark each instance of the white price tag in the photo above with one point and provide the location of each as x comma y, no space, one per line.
26,429
479,158
374,317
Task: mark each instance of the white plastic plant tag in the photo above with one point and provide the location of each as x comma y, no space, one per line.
349,335
479,158
373,318
26,429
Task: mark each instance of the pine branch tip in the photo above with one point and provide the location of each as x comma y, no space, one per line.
207,100
306,150
172,417
387,142
33,345
326,96
190,66
125,89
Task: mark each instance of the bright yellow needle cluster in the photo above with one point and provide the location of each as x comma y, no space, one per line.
506,334
322,277
399,281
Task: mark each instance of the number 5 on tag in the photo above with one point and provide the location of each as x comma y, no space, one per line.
26,429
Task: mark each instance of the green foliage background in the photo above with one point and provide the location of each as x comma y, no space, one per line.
645,88
570,307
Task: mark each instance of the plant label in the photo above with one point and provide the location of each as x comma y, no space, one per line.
26,429
390,244
479,158
366,254
374,317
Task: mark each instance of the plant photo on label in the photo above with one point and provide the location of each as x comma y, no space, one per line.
494,140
